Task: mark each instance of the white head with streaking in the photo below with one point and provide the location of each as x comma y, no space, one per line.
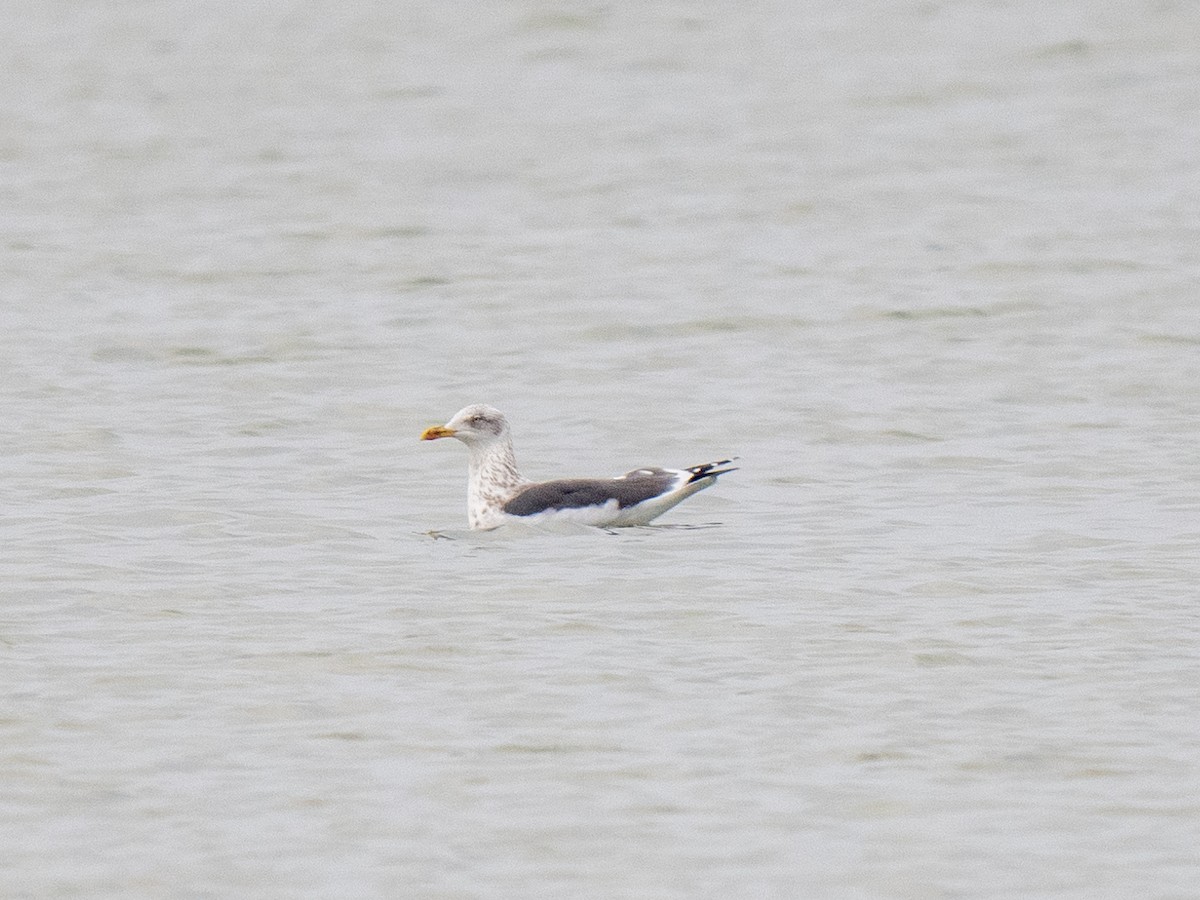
493,477
474,425
496,492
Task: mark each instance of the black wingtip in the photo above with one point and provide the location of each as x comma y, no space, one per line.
710,470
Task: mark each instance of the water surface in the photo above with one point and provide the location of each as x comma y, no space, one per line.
930,269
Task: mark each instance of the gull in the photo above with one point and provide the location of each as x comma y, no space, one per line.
497,494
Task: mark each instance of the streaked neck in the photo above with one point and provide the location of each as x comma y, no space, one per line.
493,476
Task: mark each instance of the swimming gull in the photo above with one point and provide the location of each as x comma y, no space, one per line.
497,494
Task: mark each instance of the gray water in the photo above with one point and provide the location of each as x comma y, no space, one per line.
930,269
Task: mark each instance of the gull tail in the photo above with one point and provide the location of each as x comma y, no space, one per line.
710,469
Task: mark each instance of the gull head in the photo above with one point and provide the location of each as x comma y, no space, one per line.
475,425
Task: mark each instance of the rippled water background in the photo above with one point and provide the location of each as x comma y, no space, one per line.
932,269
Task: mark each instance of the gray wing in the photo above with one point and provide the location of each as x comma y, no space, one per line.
576,493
